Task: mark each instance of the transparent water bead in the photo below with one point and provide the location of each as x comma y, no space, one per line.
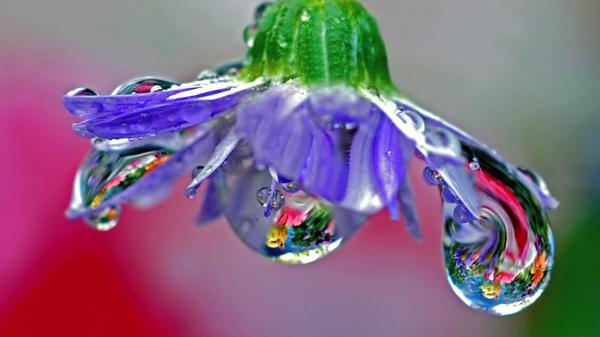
106,219
500,264
105,176
301,230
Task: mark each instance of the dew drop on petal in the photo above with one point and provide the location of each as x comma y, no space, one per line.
81,92
288,227
501,263
106,219
431,177
143,86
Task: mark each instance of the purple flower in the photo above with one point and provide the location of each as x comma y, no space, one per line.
332,153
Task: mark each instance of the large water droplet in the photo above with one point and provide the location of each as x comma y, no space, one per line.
295,227
501,263
106,175
106,219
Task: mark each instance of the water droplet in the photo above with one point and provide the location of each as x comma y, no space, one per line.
474,165
197,171
144,85
431,177
277,200
262,196
274,199
305,17
260,10
461,214
501,263
105,175
82,92
300,230
291,187
106,219
448,195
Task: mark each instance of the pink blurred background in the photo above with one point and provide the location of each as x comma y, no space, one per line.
520,75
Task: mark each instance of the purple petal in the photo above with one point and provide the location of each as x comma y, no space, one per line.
220,155
89,106
175,113
211,205
339,106
406,199
276,126
326,171
391,154
362,192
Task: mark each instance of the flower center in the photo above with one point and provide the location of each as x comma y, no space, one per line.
319,42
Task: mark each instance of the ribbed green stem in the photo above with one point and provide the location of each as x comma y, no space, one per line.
320,42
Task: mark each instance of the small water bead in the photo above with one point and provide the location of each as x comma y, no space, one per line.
105,220
448,195
431,177
197,170
262,196
274,200
300,229
474,165
461,214
501,263
82,92
291,187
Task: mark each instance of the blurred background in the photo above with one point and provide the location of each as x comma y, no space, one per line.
523,76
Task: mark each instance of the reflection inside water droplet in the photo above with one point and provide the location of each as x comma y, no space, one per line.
501,263
298,228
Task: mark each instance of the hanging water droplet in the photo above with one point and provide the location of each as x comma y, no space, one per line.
106,219
501,263
105,175
300,228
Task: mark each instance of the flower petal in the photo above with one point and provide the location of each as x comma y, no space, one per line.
362,192
93,106
391,154
211,205
220,155
326,171
175,113
339,105
277,128
406,199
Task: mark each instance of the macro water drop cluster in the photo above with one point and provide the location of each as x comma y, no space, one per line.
304,139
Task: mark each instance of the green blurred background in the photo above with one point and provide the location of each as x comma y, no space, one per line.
521,75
